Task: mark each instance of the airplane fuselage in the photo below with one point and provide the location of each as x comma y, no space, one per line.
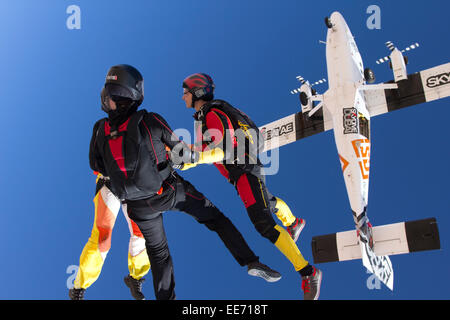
351,119
345,101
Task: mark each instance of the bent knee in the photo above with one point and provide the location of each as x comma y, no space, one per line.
268,231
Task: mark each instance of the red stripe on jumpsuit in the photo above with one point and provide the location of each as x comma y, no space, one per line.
136,231
105,222
245,191
217,123
116,146
214,122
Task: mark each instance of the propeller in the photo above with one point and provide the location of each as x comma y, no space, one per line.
390,45
303,81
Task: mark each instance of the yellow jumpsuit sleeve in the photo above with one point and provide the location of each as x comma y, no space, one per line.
208,156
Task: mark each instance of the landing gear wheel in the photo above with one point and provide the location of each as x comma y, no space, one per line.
369,76
328,23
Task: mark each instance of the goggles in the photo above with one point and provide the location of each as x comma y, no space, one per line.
116,93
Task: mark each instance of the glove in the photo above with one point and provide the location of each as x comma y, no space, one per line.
177,166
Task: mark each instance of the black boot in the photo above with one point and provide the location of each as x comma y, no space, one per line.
135,287
76,294
257,269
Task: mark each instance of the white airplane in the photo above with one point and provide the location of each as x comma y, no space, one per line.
347,107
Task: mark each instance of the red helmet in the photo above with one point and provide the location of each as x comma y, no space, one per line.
199,84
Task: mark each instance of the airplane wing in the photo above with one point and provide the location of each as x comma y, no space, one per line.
424,86
294,127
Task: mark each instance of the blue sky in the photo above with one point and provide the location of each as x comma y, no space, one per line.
52,77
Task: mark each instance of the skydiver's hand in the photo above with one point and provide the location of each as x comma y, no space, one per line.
175,158
177,166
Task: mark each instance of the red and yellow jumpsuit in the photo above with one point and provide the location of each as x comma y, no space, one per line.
250,184
107,206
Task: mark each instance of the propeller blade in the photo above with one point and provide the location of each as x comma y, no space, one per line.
319,82
382,60
390,45
301,79
411,47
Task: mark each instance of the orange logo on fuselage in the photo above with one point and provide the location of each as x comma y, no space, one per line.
362,151
344,163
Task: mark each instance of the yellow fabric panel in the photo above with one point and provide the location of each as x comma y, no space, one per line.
211,156
187,166
284,214
91,263
288,247
138,265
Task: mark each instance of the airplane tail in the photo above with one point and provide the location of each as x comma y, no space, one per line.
380,266
392,239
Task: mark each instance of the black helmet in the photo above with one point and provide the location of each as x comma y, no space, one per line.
124,84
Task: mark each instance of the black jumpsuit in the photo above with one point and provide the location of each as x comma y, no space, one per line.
179,195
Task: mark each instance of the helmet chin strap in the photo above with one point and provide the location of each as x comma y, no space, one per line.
194,98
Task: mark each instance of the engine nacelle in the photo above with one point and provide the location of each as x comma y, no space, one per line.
398,65
305,97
